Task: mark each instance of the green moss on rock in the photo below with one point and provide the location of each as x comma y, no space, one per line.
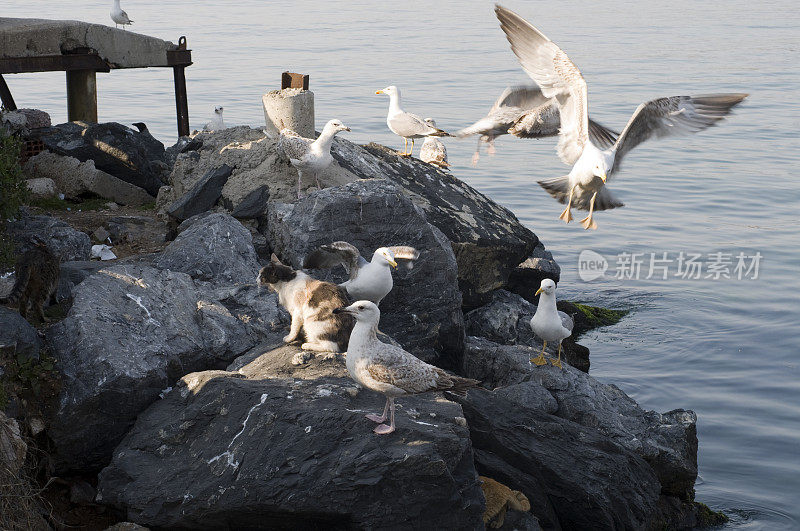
706,517
590,317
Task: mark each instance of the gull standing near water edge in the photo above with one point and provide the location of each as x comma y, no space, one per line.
388,369
585,185
216,123
406,124
548,323
368,280
119,16
307,155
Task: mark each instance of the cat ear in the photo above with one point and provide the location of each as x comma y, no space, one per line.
275,259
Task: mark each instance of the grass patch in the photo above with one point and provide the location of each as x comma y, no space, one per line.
24,376
56,204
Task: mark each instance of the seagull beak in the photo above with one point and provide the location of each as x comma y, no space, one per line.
538,291
343,309
379,92
346,128
392,263
604,177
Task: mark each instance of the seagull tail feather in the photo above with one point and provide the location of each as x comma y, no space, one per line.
439,132
461,385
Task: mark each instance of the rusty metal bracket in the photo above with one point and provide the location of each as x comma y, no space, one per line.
293,80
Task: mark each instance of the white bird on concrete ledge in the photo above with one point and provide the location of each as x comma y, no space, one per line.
119,16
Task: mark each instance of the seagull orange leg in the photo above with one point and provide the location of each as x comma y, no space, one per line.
566,215
541,360
588,222
557,363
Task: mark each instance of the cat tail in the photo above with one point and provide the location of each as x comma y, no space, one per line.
19,286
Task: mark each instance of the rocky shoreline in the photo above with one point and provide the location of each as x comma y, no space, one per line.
176,392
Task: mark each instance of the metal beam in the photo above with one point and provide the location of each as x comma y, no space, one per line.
5,96
51,63
180,58
82,96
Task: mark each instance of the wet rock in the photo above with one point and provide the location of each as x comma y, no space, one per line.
276,445
506,320
62,240
487,238
202,196
135,158
574,476
131,332
15,330
423,310
212,247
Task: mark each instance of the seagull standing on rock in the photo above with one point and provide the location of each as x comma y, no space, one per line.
406,124
370,281
388,369
548,323
119,16
216,123
307,155
585,185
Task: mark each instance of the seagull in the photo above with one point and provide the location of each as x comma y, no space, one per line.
119,16
406,124
433,150
548,323
388,369
585,185
308,155
524,112
368,280
216,123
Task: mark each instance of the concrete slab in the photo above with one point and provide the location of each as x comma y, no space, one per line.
32,37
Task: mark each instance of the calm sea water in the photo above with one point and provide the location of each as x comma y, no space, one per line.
726,348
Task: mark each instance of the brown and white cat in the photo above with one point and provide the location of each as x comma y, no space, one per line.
311,303
37,272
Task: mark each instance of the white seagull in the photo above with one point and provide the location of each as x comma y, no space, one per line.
308,155
370,281
406,124
584,186
216,123
119,16
525,112
433,150
548,323
388,369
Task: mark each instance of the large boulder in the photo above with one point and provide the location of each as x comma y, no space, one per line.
15,330
134,157
202,195
212,247
506,319
526,278
488,239
131,332
61,239
287,446
423,310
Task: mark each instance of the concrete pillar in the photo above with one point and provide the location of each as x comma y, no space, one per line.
292,108
82,95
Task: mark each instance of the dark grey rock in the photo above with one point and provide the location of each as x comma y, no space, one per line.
252,205
15,330
131,332
281,446
61,239
526,278
202,196
506,319
574,476
423,310
497,365
124,229
488,239
136,158
213,247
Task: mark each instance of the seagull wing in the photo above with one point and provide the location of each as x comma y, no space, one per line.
292,145
407,124
522,97
327,256
566,321
556,75
676,115
602,136
393,365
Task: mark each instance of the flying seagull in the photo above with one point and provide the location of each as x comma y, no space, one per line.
548,323
388,369
525,112
433,150
119,16
307,155
371,281
585,185
406,124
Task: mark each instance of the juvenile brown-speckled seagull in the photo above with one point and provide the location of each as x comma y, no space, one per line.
406,124
525,112
388,369
584,187
433,150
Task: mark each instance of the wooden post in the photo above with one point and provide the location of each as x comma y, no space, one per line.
82,95
181,100
5,96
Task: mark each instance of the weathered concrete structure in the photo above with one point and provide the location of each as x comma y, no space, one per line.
81,50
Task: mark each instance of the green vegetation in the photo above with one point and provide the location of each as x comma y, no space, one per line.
54,203
707,517
13,193
597,316
25,376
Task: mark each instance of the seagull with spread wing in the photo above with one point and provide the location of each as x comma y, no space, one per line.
558,77
525,112
370,281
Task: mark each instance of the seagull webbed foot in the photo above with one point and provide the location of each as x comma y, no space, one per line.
588,223
566,215
556,363
383,429
541,360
